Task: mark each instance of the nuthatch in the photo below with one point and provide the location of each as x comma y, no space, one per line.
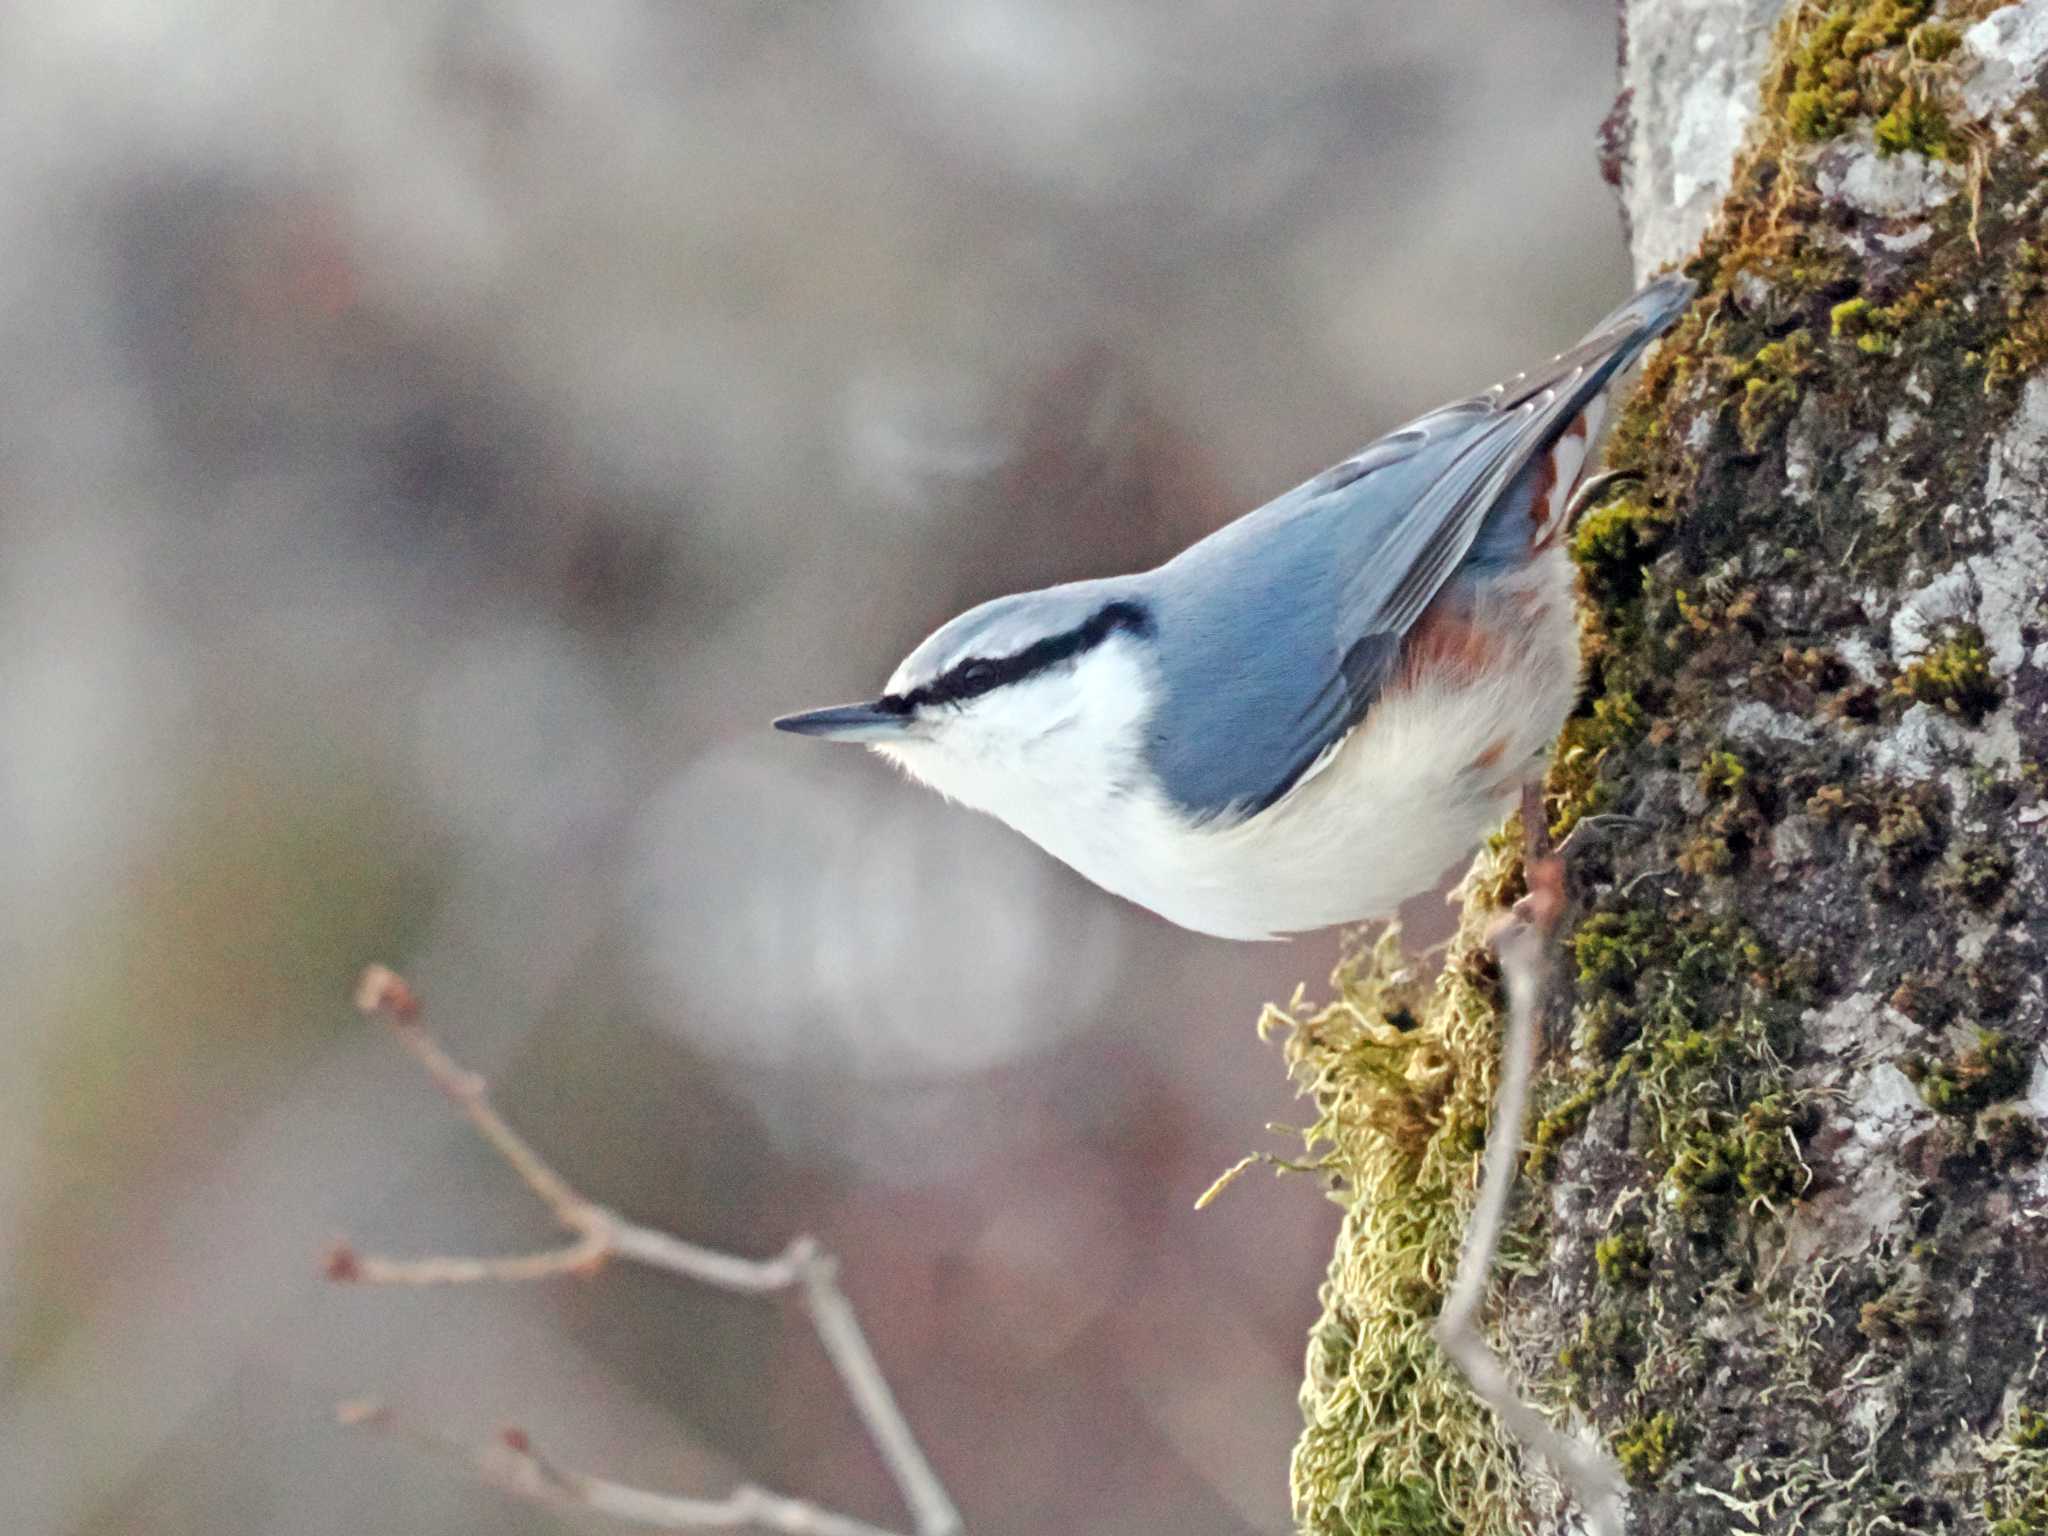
1310,715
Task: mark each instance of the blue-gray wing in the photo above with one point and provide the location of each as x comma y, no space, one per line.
1279,631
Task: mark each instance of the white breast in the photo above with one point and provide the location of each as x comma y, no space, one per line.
1408,794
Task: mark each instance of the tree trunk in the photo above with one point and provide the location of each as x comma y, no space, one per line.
1782,1234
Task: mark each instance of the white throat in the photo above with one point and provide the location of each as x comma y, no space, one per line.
1057,756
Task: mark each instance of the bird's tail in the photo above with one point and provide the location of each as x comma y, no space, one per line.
1552,489
1653,310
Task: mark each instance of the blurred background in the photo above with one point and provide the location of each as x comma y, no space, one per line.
434,440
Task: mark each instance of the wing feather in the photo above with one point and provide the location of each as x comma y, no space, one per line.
1276,660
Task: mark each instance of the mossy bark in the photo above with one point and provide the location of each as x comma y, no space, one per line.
1782,1241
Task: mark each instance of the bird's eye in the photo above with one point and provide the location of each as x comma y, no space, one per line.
977,676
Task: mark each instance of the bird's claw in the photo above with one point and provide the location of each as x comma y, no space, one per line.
1544,903
1593,488
1543,872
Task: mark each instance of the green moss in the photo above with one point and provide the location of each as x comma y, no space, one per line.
1725,1159
1612,949
1978,871
1602,1028
1575,785
1924,318
1685,1049
1874,330
2016,1493
1708,613
1849,318
1721,773
1994,1067
1558,1123
1812,114
1614,541
1917,124
2028,276
1707,856
2023,349
1410,1508
1907,825
1882,24
1954,676
1401,1120
1819,82
1828,74
1934,41
2029,1429
1768,388
1906,833
1718,1115
1734,822
1647,1447
1903,1312
2020,1513
1622,1257
2017,355
1604,1355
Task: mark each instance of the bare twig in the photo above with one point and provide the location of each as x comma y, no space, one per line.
1593,1479
512,1463
602,1235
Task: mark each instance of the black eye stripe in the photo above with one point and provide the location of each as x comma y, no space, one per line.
977,675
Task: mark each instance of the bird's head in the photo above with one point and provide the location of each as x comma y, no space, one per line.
1022,698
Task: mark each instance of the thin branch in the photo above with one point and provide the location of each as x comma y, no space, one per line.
582,1258
602,1235
1594,1480
512,1464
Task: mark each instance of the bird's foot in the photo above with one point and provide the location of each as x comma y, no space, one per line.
1593,489
1542,871
1544,903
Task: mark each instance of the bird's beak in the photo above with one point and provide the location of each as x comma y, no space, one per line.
849,722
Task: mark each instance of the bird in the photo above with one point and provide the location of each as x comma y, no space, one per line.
1310,715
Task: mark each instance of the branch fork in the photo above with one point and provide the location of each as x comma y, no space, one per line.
600,1236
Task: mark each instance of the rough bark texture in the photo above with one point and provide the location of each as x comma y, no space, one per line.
1783,1238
